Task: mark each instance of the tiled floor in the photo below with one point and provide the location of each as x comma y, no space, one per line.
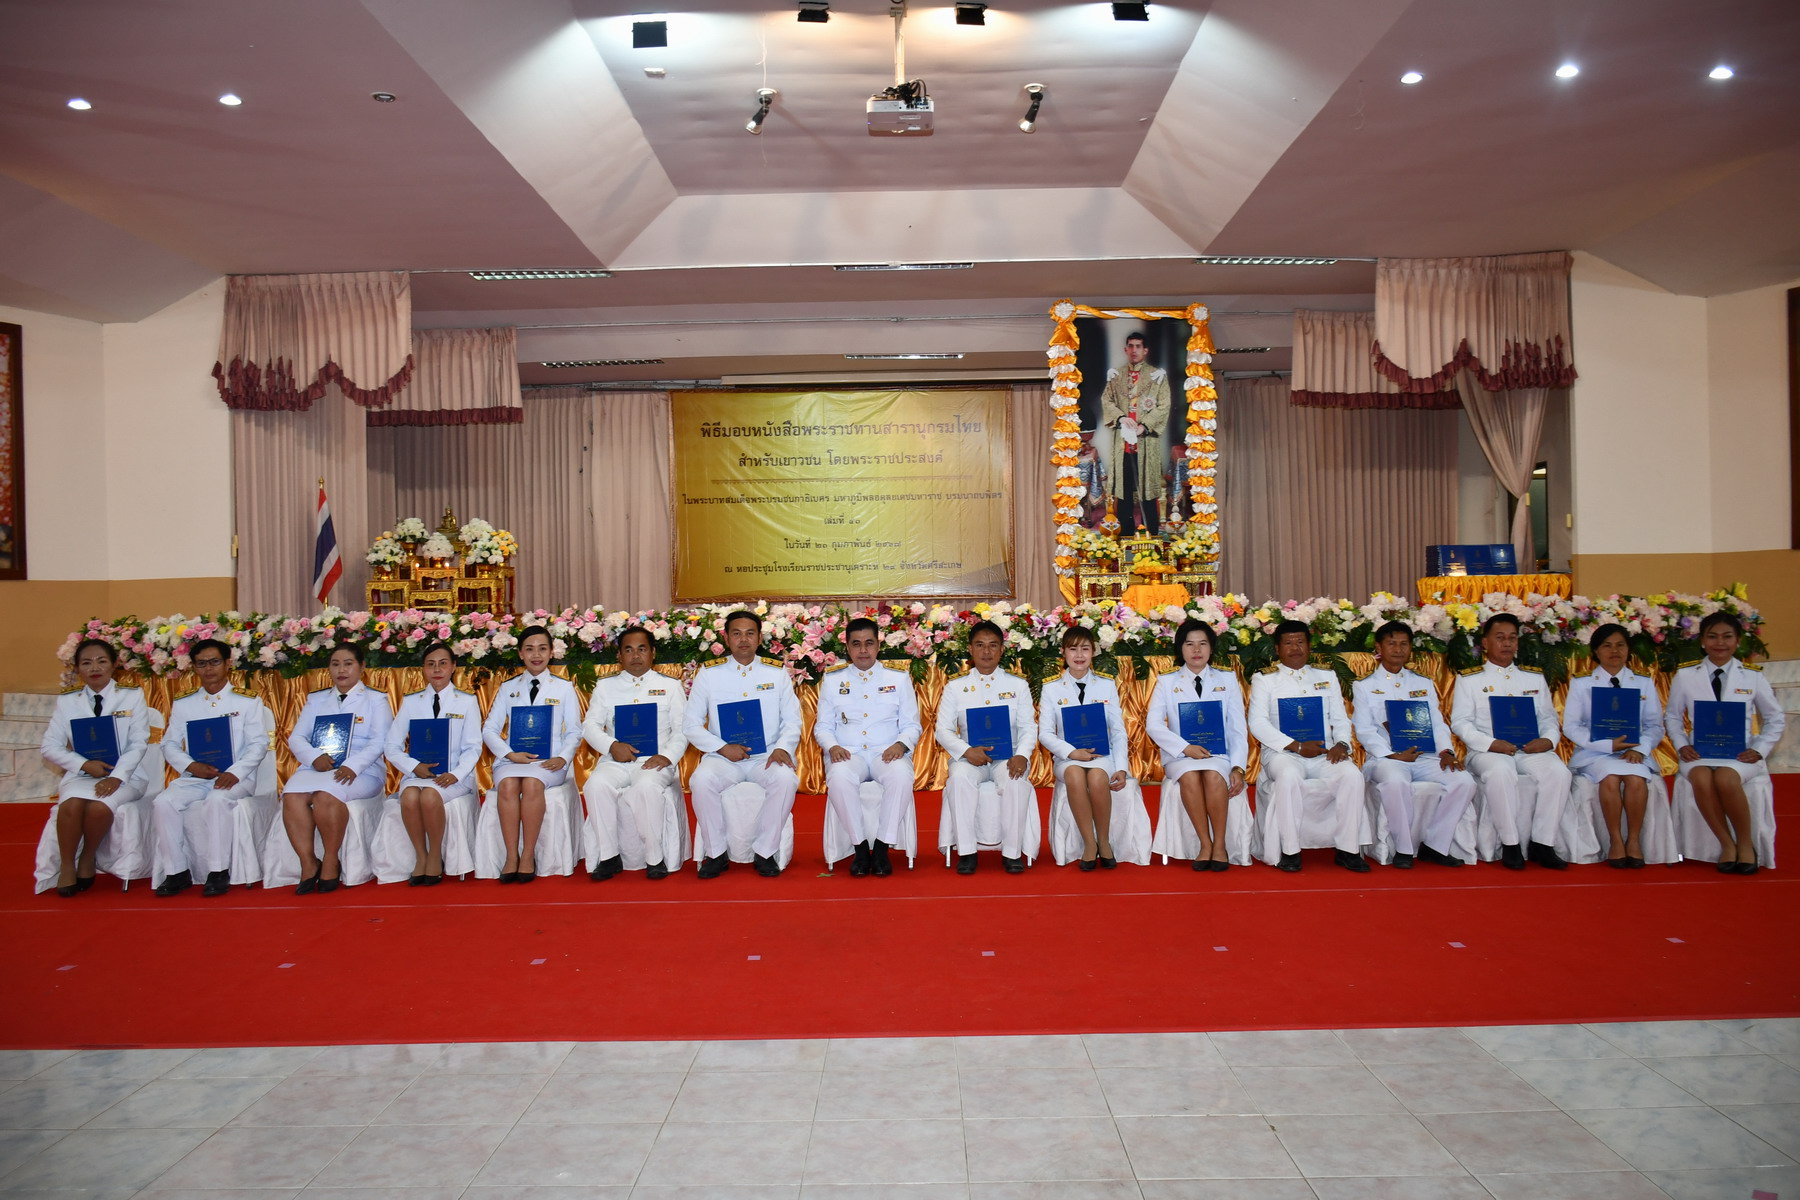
1686,1109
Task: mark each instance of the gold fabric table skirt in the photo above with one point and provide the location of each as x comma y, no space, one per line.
1142,597
1437,589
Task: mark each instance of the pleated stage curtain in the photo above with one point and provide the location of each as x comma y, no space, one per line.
1034,576
629,493
1334,502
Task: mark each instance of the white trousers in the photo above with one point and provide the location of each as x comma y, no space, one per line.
843,793
193,825
646,795
716,773
1018,805
1394,784
1499,776
1285,775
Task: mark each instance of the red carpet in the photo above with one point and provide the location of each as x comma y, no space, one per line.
924,952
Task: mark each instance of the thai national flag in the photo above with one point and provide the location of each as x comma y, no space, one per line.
328,568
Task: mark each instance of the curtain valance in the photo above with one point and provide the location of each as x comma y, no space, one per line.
1504,320
289,337
461,377
1334,366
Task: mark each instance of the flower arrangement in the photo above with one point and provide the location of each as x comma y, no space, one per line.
474,530
489,547
1093,544
410,529
1149,562
1195,541
437,547
386,552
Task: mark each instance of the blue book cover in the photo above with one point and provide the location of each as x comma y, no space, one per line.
635,725
1084,727
1720,728
741,724
991,729
1409,727
95,738
1515,718
331,735
209,742
428,740
1301,717
1613,712
1203,725
528,729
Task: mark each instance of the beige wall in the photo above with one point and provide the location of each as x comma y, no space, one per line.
40,613
66,477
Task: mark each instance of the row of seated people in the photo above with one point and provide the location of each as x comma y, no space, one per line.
1509,800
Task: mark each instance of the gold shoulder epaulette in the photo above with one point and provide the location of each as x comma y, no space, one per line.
1591,668
891,665
1533,670
245,692
1689,662
327,688
416,690
1748,666
966,669
1112,675
839,667
1268,670
66,691
188,691
773,662
1475,670
712,662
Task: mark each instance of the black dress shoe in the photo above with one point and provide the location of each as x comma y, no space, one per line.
1635,864
217,883
1220,865
1289,863
1619,863
83,882
329,885
67,890
509,877
965,864
656,871
606,868
175,884
1352,862
1747,868
524,876
1403,861
1439,857
860,863
308,885
717,865
767,867
1512,858
1728,868
1107,862
417,880
1546,856
880,864
1088,864
1013,866
434,880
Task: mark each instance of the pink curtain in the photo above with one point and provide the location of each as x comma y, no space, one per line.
461,377
628,489
1334,366
1506,319
287,338
1508,425
1333,502
1033,476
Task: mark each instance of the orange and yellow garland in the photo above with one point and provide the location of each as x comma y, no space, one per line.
1065,444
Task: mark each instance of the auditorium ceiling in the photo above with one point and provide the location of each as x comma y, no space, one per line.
534,134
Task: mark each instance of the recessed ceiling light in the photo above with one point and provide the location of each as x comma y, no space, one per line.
79,105
230,100
383,97
1567,71
1130,12
606,362
1720,72
971,12
1411,77
650,33
1269,260
943,266
545,273
656,72
898,356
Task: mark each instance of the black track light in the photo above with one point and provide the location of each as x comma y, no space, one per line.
968,12
1130,12
815,12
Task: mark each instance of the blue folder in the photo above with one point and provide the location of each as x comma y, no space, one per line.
1084,727
635,725
741,724
331,735
1613,712
1515,718
1301,718
95,738
1409,727
209,742
1203,725
1721,728
528,729
428,740
991,729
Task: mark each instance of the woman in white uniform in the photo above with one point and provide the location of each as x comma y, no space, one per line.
1621,768
1090,779
315,796
91,790
427,786
1207,781
520,777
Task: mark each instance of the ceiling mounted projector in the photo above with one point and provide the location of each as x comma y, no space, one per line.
904,110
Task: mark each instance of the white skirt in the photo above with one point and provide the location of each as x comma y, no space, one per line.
1181,764
1746,771
1612,764
307,781
80,784
1108,763
462,787
530,770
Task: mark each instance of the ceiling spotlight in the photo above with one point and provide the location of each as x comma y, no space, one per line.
230,100
541,273
815,12
1036,92
79,105
968,12
1567,71
649,34
1130,12
1412,77
765,97
383,97
1719,72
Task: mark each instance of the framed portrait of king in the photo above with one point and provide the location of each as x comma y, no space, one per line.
12,455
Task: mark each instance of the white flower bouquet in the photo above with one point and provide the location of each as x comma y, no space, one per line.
386,552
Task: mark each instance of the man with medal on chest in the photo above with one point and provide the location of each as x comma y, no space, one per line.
218,736
986,724
867,725
743,713
1135,406
634,721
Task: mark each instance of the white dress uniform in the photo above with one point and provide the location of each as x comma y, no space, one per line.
368,738
193,819
1018,800
463,711
1596,759
727,681
131,731
1472,719
1393,779
865,712
1094,688
1163,723
648,795
1738,681
524,690
1287,772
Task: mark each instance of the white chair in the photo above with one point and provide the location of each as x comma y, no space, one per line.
1318,821
251,817
838,845
392,849
742,802
987,826
1175,836
1426,798
632,854
1130,826
281,866
128,851
1659,824
1575,840
559,837
1694,840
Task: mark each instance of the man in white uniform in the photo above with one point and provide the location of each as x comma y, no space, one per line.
193,816
649,784
1287,763
1394,773
1498,764
867,725
742,676
985,685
